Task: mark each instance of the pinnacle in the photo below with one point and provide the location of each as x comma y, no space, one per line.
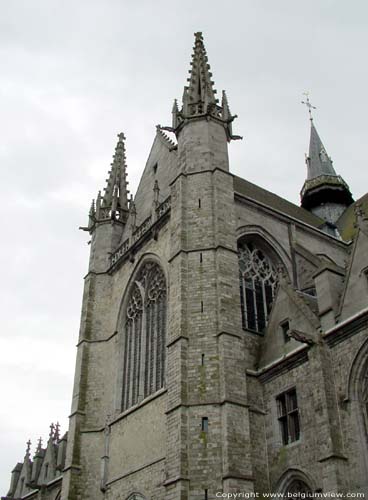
116,191
199,95
201,87
28,449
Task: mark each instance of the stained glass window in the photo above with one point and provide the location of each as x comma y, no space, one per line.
258,283
144,336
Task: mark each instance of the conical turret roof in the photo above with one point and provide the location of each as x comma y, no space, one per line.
324,191
318,161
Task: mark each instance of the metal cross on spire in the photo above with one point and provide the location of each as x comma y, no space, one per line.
309,105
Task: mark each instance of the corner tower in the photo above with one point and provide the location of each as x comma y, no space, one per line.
207,413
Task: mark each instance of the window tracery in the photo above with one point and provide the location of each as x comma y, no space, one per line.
144,336
258,283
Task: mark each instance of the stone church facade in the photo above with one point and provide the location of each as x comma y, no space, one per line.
223,345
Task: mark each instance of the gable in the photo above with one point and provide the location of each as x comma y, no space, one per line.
355,294
346,223
291,306
161,166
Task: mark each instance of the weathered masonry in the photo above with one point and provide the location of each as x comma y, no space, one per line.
223,344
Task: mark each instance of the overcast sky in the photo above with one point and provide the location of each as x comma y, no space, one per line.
75,73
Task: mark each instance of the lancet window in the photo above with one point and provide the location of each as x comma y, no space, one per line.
144,336
258,283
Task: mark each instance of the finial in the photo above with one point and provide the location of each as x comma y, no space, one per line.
309,105
28,450
57,432
39,445
98,205
52,428
175,112
121,137
92,209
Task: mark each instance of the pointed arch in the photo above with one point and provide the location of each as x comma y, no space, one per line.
357,396
267,241
295,481
142,323
258,279
136,496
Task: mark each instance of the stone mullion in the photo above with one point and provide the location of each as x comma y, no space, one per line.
158,344
142,371
147,357
152,347
128,366
133,354
163,341
125,368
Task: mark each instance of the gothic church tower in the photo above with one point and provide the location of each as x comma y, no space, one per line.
223,346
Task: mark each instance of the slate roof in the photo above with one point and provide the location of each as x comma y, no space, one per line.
257,193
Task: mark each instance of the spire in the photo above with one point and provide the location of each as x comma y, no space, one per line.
318,161
117,179
201,91
113,205
39,446
199,96
324,193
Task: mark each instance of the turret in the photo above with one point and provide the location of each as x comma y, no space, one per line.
202,126
108,216
37,462
324,193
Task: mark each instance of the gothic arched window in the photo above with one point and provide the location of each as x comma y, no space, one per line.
258,283
144,336
295,481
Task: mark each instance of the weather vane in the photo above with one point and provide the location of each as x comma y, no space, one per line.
309,105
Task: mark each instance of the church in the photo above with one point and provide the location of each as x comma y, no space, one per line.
223,344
